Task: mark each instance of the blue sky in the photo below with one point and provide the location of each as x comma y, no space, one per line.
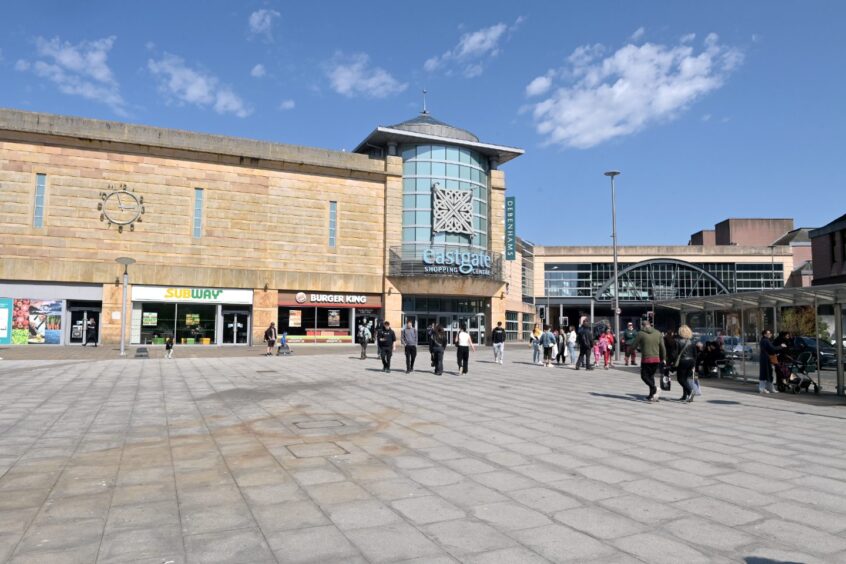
710,109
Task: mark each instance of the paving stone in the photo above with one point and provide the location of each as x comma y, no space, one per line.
361,514
134,544
289,515
337,492
393,543
468,493
468,466
395,489
510,516
599,522
313,544
216,518
463,536
709,534
641,509
544,499
243,545
435,476
799,513
816,541
427,509
718,510
657,549
504,481
516,555
562,544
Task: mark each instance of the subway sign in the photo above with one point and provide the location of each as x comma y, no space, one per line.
185,294
457,262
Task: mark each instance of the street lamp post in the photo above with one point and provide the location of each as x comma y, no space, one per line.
125,261
612,174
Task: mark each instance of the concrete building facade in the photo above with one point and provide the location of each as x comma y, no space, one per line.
232,234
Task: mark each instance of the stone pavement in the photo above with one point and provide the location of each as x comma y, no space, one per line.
325,459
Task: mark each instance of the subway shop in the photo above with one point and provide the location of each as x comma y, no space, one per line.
191,316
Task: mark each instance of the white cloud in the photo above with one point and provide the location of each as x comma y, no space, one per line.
639,33
258,71
79,70
261,23
539,85
472,50
352,75
688,38
706,117
179,82
598,99
287,105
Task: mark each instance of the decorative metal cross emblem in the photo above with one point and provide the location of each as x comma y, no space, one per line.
452,210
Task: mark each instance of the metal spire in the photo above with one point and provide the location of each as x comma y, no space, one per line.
424,112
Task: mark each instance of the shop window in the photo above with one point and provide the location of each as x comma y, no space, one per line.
40,189
195,324
158,322
198,212
333,223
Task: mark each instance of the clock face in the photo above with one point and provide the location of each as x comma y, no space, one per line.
121,207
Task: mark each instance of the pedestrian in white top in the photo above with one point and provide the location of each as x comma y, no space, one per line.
571,344
464,343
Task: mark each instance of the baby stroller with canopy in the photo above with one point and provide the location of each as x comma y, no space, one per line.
792,375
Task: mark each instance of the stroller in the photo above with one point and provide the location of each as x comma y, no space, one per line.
284,349
793,375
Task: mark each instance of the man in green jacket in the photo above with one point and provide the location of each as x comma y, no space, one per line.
629,336
650,343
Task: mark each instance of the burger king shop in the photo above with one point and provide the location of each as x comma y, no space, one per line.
320,317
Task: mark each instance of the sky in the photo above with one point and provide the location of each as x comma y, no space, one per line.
709,109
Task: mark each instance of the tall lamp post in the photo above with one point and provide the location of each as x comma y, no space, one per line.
612,174
125,261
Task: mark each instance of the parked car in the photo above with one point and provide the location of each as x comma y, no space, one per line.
735,348
828,354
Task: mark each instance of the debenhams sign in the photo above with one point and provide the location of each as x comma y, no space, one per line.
457,262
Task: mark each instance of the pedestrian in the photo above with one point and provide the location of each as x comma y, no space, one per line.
650,343
585,339
670,347
767,358
547,341
534,341
683,358
91,331
609,336
438,344
270,338
464,342
386,342
364,336
408,337
169,347
629,336
560,343
604,349
498,339
571,344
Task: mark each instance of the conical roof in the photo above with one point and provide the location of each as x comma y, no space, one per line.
427,125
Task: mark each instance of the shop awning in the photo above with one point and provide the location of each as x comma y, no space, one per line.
783,297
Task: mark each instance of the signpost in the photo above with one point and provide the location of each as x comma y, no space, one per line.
510,228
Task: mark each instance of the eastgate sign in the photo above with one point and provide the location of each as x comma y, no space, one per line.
457,262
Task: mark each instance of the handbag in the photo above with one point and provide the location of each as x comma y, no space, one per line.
666,383
773,359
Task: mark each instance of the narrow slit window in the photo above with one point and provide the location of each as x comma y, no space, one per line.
333,223
40,189
198,212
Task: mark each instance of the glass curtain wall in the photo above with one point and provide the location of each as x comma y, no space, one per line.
453,168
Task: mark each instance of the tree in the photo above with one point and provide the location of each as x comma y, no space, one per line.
800,321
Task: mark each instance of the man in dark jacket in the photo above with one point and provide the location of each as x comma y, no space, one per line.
629,336
498,339
386,341
585,339
650,343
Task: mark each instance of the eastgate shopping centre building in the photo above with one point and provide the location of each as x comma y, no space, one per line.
231,234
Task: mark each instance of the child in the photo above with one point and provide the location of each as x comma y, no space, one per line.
169,347
596,353
609,336
603,349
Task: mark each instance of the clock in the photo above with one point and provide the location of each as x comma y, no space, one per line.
121,206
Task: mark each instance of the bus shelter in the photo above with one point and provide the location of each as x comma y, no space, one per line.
829,297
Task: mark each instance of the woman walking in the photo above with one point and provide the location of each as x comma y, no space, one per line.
767,358
465,343
571,344
438,344
534,341
560,342
684,360
270,338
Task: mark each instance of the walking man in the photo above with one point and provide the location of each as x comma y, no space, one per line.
91,332
386,342
364,337
270,338
408,337
652,354
629,336
585,338
498,339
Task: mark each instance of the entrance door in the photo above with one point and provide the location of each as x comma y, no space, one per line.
79,325
236,327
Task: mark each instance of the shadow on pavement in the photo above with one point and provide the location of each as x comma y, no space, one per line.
627,397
